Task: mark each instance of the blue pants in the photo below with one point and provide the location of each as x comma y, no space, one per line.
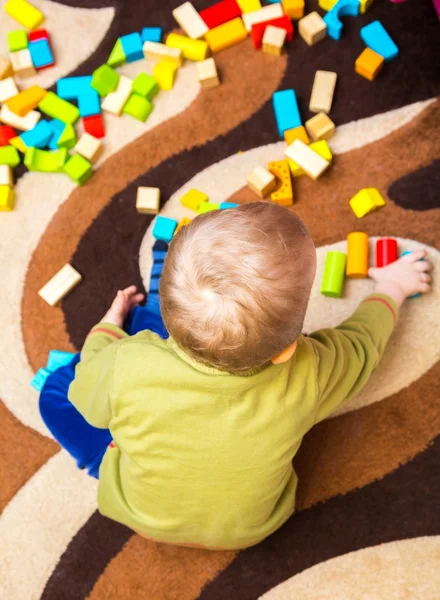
85,443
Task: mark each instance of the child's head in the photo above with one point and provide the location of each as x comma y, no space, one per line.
236,284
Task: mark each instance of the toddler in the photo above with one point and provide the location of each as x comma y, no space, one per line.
193,437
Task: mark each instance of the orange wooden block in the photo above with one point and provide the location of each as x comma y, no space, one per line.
26,100
283,195
293,8
369,64
297,133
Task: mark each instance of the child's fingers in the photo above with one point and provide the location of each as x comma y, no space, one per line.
422,266
425,277
129,291
136,299
424,288
414,256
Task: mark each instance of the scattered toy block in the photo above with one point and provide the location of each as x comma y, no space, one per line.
191,49
190,20
357,255
38,34
45,161
22,123
144,85
60,285
115,101
17,40
6,176
309,160
226,35
132,47
272,11
220,13
164,72
321,148
5,68
41,53
322,92
327,4
39,379
57,128
286,111
283,194
386,252
26,100
273,40
262,182
18,143
377,38
89,147
293,8
155,51
208,75
24,12
57,359
151,34
164,228
258,29
94,125
193,199
148,200
333,277
38,137
57,108
182,223
369,64
89,103
343,8
7,198
22,64
207,207
117,55
297,133
6,134
365,201
312,28
8,89
226,205
78,169
9,156
320,127
138,107
248,6
69,88
67,138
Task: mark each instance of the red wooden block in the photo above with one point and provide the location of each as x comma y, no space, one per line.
258,29
386,252
94,125
220,13
38,34
6,134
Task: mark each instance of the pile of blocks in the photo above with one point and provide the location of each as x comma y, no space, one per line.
29,53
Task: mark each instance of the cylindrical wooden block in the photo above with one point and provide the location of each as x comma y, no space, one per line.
386,252
333,278
357,255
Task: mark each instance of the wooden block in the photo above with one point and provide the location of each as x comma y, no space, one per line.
6,177
164,73
284,194
320,127
148,200
364,5
297,133
313,164
312,28
157,51
23,123
5,68
26,100
194,198
208,75
261,181
248,6
89,147
293,8
115,101
365,201
7,198
60,285
369,64
8,89
196,50
226,35
22,64
322,92
273,40
272,11
190,20
182,223
321,148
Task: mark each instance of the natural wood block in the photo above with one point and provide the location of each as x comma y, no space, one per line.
89,147
158,51
8,89
208,75
22,64
320,127
6,177
7,117
272,11
190,21
322,92
312,28
60,285
273,40
261,181
148,200
5,68
115,101
369,64
313,164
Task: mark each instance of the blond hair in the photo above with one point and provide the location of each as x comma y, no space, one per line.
236,284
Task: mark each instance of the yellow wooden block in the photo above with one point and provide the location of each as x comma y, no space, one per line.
248,6
365,5
365,201
191,49
261,181
23,12
284,194
7,197
293,8
320,127
369,64
148,200
26,100
273,40
327,4
182,223
321,148
18,143
193,199
164,73
226,35
60,285
5,68
297,133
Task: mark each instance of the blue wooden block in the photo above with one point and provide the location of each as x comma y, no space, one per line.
89,103
376,37
39,379
57,128
41,53
274,1
39,136
343,8
164,228
57,359
286,111
132,46
225,205
151,34
404,254
69,88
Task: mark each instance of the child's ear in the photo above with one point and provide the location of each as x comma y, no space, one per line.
285,355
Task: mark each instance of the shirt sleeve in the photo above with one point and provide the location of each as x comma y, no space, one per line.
348,354
90,391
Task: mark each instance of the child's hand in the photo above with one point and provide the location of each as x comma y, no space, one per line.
123,302
405,277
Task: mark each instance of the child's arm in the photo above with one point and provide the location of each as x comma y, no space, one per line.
90,390
348,354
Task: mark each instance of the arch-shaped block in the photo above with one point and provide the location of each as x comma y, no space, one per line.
343,8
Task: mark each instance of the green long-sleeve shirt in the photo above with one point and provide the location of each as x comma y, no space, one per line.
203,457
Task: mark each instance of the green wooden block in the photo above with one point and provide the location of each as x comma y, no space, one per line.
207,207
138,107
68,138
78,169
146,86
9,156
17,40
105,80
44,160
60,109
117,56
